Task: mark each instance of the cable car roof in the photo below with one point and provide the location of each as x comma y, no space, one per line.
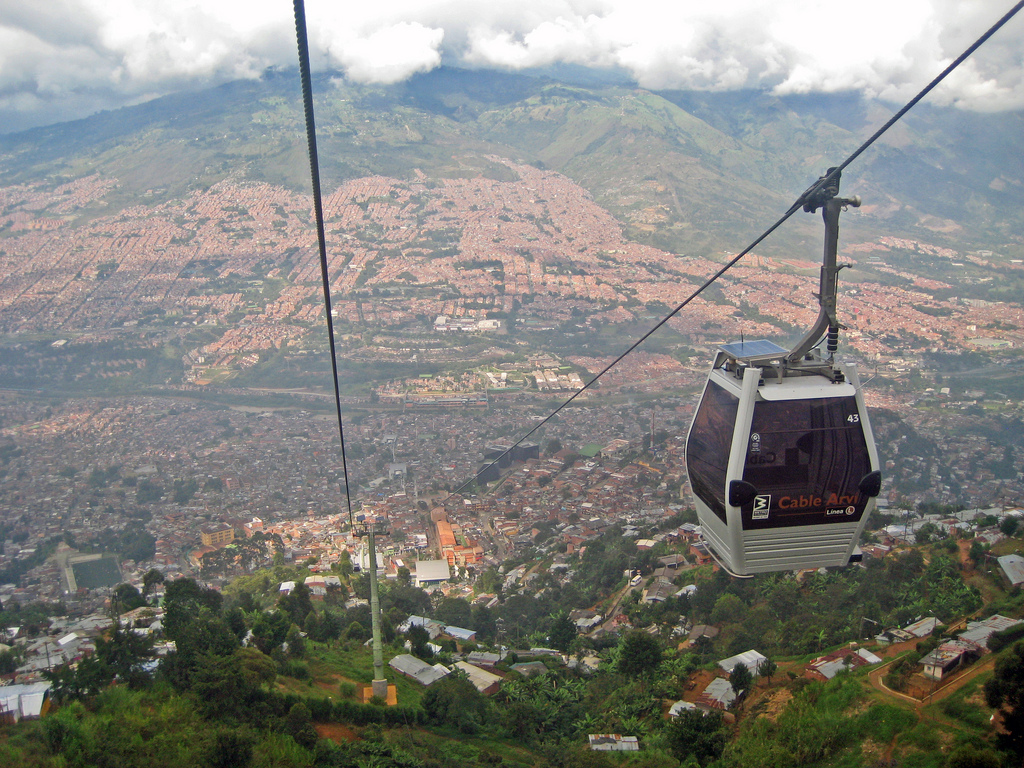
751,351
805,388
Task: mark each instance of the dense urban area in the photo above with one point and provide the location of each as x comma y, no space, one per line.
181,538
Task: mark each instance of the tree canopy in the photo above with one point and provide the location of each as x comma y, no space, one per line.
639,654
1005,692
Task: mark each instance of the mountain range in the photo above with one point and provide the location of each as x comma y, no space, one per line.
688,172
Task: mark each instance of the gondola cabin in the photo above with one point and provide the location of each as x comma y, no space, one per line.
781,460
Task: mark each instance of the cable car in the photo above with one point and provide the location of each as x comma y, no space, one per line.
780,455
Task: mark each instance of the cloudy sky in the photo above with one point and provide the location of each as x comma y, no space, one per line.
64,59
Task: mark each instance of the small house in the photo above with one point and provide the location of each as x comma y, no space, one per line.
947,657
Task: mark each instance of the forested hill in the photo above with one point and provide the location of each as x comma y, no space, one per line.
259,677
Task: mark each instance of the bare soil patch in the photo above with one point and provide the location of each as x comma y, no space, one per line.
336,732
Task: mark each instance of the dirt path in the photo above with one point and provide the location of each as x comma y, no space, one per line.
964,546
607,624
336,732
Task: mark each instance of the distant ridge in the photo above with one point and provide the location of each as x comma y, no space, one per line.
684,171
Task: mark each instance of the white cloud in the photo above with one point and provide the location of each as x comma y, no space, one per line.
389,54
60,54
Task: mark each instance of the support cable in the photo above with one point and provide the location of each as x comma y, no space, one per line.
314,169
833,173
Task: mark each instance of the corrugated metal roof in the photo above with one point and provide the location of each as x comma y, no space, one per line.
20,701
679,707
831,668
978,632
432,570
418,669
868,656
922,627
718,695
460,633
750,659
1013,567
613,742
480,678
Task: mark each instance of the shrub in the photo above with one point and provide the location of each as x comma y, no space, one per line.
347,690
292,668
1004,637
320,709
883,721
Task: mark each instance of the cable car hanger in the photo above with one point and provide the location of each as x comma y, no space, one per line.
804,355
824,195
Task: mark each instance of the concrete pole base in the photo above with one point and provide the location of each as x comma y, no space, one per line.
380,688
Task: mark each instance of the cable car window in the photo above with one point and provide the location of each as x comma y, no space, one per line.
805,458
707,449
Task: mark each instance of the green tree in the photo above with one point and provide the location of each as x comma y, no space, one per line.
968,756
229,748
328,627
312,626
136,543
235,619
1005,692
419,641
124,653
150,580
976,552
356,631
562,633
120,656
696,734
189,594
1008,525
270,630
728,609
344,564
455,611
639,654
926,533
403,600
766,669
360,584
299,725
80,682
126,598
198,639
484,622
490,581
297,604
9,661
741,678
146,492
296,643
184,490
225,688
454,702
